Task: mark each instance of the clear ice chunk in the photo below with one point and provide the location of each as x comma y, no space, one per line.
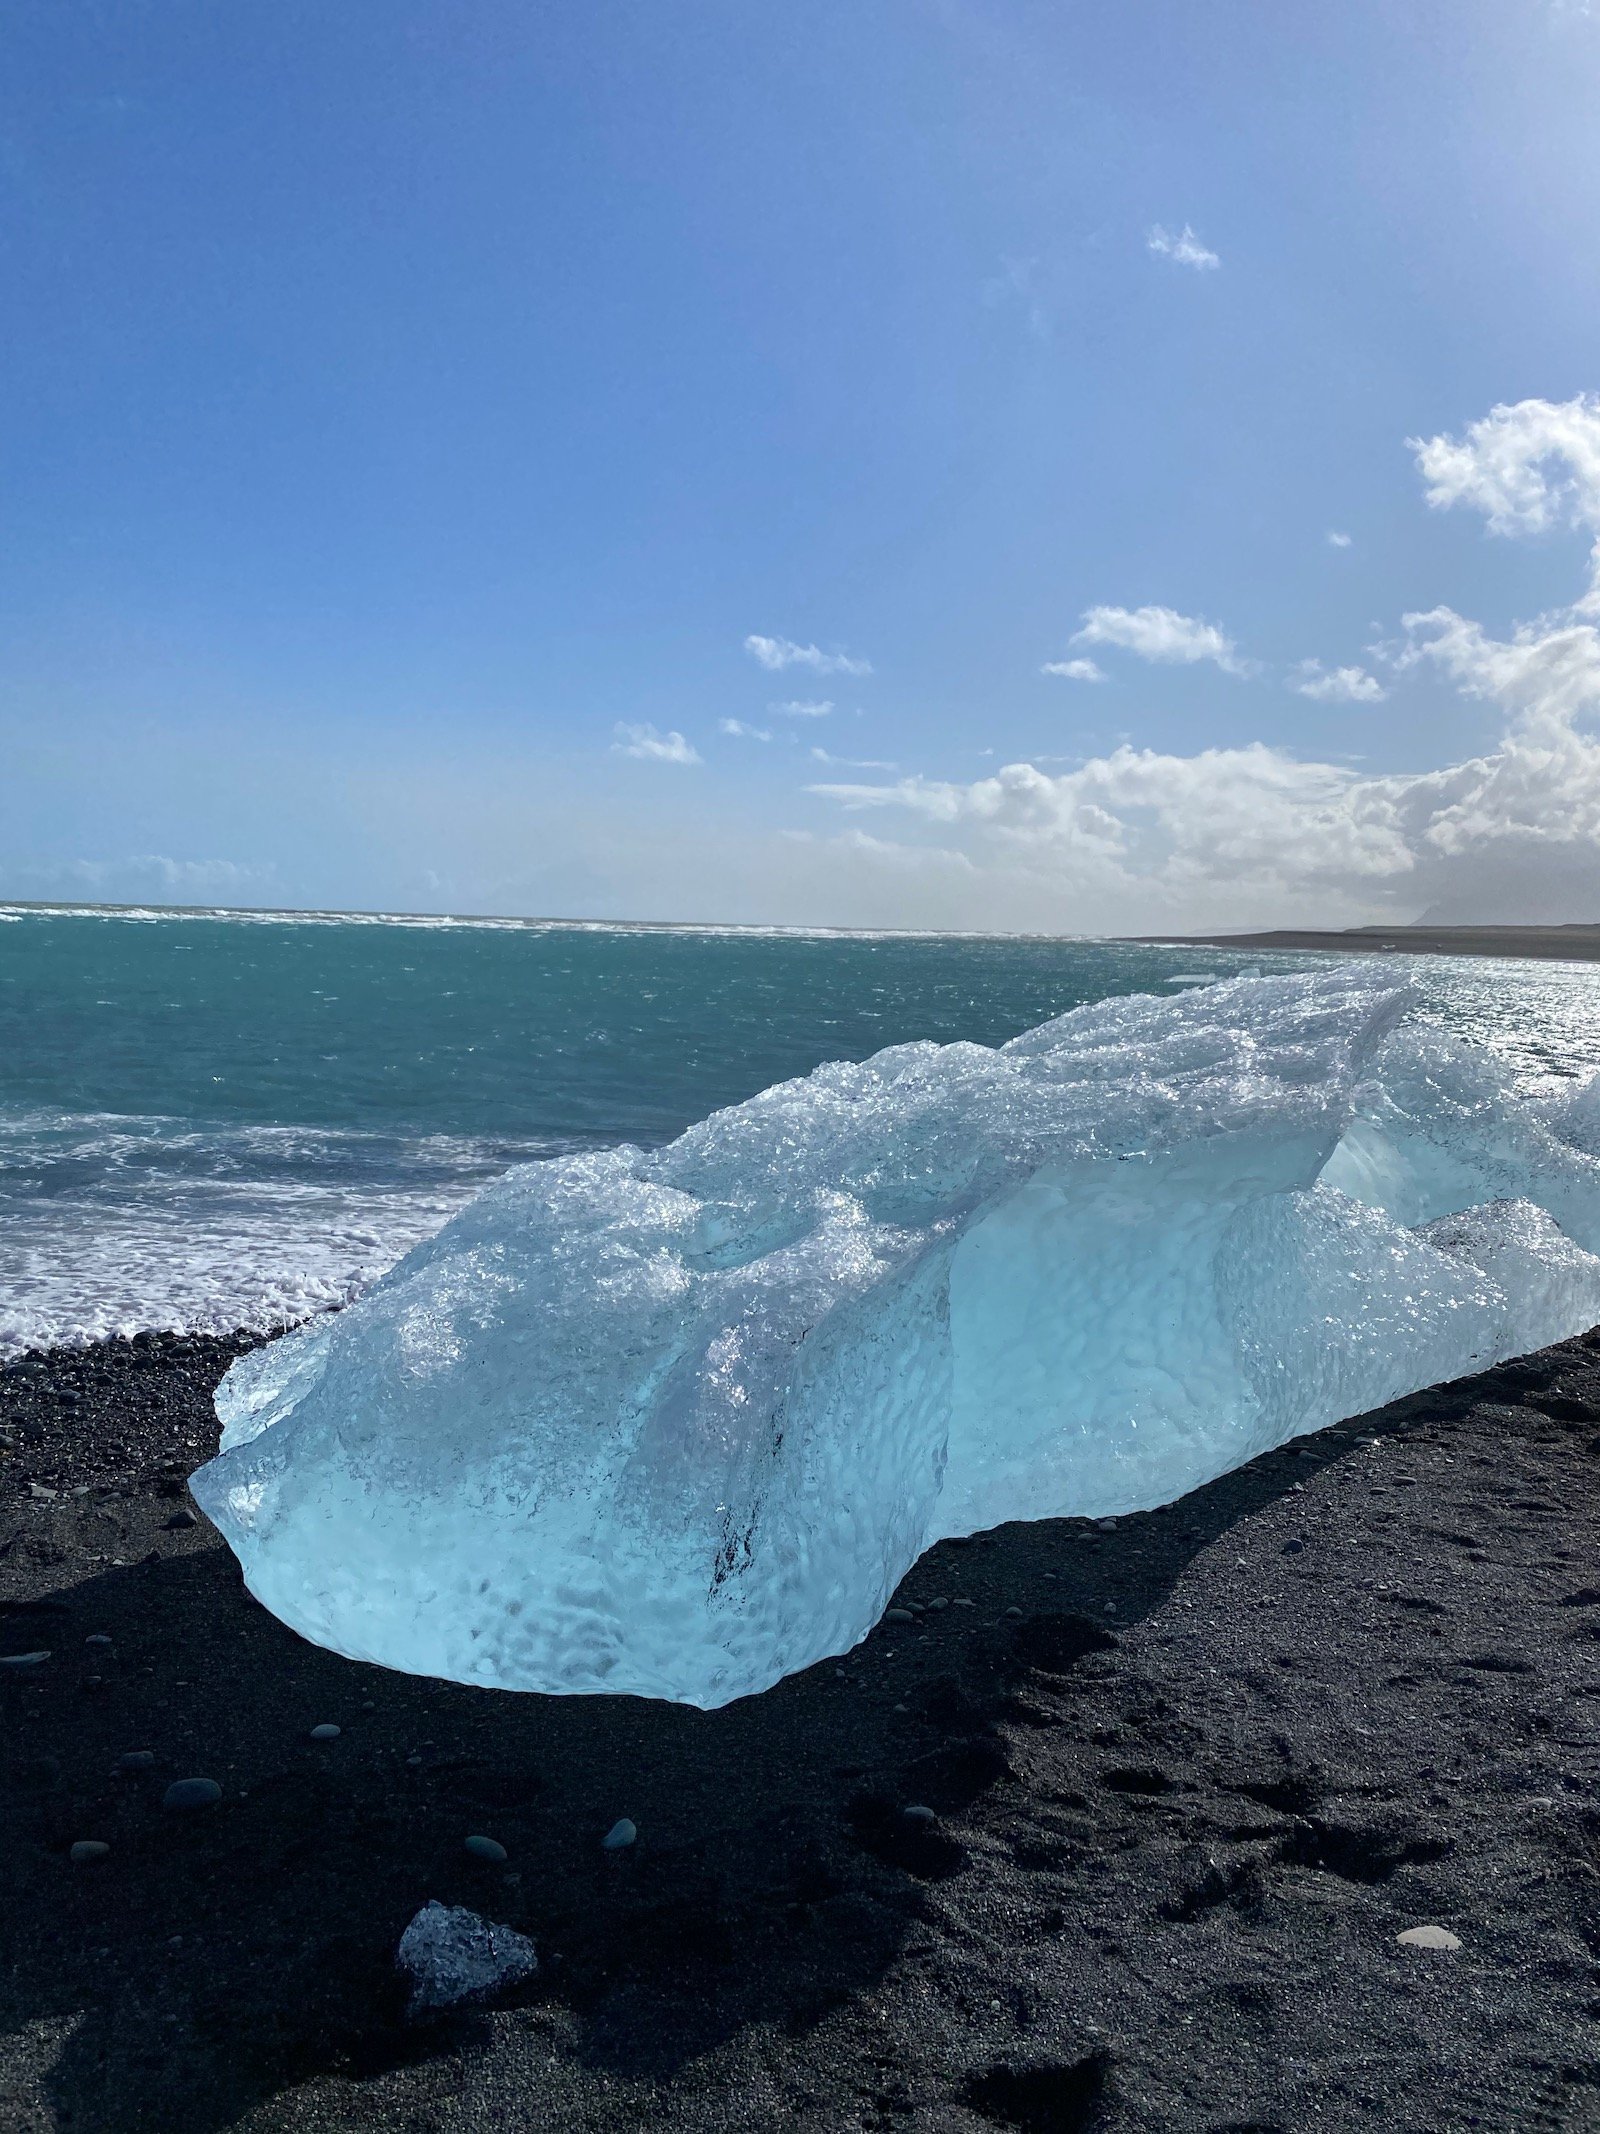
677,1423
452,1956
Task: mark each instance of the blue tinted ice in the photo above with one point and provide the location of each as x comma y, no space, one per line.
678,1423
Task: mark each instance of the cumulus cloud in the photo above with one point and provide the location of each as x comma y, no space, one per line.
1160,634
1184,249
1338,540
742,731
652,747
802,708
776,653
1338,685
1528,467
1141,840
1074,670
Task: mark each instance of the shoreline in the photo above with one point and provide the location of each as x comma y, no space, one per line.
1573,943
1191,1773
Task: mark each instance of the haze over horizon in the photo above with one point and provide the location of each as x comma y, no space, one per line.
966,464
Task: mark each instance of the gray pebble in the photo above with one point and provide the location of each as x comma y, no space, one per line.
898,1615
935,1605
99,1637
917,1813
487,1849
182,1519
136,1760
961,1601
192,1793
326,1732
23,1659
621,1833
87,1849
1015,1614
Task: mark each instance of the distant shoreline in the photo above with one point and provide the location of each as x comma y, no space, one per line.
1563,944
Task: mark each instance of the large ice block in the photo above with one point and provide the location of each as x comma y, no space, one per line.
677,1423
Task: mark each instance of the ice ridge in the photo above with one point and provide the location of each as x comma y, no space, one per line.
677,1423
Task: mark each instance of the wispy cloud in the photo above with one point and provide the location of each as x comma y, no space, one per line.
776,653
1017,283
850,763
1162,635
653,747
739,728
1337,685
1338,540
1184,249
1074,670
802,708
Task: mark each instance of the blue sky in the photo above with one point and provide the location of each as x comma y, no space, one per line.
410,414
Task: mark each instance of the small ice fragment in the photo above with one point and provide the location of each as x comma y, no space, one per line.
1428,1937
452,1955
622,1832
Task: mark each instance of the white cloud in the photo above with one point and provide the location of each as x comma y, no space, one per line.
1161,634
850,763
1338,540
1074,670
776,653
1338,685
1184,249
644,741
1528,467
742,731
1139,840
802,708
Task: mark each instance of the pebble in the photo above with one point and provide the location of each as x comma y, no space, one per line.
192,1793
326,1732
961,1601
23,1659
182,1519
99,1637
87,1849
1429,1937
918,1813
1105,1525
898,1615
621,1833
935,1605
488,1849
1015,1614
136,1760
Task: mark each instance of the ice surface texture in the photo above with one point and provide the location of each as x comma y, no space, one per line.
678,1423
452,1956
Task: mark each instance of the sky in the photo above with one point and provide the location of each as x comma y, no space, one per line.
1009,464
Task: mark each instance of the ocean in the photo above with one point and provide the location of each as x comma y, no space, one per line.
211,1120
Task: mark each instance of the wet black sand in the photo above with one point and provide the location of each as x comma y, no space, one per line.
1187,1795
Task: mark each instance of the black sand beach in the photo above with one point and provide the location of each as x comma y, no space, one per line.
1191,1775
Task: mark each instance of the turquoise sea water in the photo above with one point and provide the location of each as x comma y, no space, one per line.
216,1120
